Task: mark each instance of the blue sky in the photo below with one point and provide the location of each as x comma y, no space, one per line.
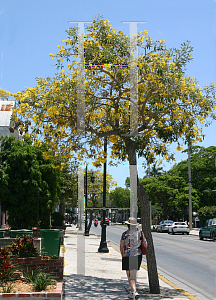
30,30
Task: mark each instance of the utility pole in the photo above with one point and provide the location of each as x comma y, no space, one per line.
189,180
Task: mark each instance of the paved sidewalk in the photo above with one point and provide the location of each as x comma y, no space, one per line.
102,277
195,231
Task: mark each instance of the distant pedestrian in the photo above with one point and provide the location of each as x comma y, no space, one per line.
130,248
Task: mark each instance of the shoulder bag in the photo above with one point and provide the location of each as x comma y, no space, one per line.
144,250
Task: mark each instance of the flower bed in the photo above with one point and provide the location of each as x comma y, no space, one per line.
57,295
53,266
6,241
33,277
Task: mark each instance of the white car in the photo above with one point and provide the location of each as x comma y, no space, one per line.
164,226
179,227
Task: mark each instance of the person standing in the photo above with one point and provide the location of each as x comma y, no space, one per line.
130,247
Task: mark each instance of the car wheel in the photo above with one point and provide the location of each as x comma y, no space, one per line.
161,230
168,232
213,236
183,233
200,236
187,233
173,232
157,230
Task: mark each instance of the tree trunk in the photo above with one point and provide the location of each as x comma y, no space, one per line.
145,216
62,206
150,257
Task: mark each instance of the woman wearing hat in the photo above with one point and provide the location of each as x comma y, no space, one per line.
130,248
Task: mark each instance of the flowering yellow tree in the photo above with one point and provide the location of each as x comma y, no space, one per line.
170,104
4,95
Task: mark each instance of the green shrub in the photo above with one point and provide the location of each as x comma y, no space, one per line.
39,279
6,267
205,213
24,247
58,219
42,281
7,287
30,276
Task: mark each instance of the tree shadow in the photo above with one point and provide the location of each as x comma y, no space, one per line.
167,293
92,287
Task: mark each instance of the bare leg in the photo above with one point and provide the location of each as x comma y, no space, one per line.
132,279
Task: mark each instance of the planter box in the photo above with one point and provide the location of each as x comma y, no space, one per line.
8,241
53,266
57,295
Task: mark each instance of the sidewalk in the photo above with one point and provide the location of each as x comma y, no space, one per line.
195,231
101,275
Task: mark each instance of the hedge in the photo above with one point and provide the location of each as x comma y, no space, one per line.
205,213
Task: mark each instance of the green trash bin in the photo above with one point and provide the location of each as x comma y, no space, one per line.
2,232
20,233
60,238
51,241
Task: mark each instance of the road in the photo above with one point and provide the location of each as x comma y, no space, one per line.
183,259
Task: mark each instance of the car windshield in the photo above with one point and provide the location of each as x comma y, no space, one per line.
180,223
168,221
214,221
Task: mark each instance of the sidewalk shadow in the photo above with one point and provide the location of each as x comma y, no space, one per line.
89,287
167,293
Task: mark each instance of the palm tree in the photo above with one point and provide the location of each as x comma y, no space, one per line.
154,171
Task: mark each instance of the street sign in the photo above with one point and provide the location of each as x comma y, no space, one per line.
153,210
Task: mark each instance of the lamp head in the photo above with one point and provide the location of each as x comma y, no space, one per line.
92,178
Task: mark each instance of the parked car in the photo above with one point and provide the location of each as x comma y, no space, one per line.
209,230
106,221
179,227
163,226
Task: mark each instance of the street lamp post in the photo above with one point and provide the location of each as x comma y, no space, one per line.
103,244
86,224
86,182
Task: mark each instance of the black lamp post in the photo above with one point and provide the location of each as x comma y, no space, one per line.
103,244
86,182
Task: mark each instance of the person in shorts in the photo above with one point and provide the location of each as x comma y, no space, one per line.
130,248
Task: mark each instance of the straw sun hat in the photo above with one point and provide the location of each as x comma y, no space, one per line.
131,221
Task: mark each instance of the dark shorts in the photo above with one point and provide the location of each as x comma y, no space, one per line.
134,264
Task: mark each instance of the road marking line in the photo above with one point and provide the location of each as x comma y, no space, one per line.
176,287
162,278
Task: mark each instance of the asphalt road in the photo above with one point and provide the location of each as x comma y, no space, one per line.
183,259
